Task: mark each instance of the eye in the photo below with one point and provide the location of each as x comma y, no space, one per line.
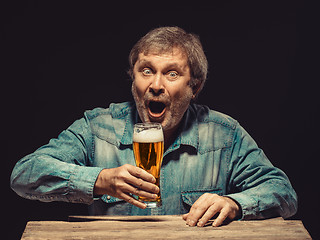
172,75
146,71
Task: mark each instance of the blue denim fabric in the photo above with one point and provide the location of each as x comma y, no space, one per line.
212,154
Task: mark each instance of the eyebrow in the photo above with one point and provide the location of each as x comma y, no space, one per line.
169,66
144,62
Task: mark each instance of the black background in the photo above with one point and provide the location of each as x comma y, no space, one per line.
62,58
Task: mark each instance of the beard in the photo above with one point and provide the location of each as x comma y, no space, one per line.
171,109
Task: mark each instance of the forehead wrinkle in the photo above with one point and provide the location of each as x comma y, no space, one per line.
156,48
172,62
172,50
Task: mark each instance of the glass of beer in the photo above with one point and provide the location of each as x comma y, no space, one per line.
148,148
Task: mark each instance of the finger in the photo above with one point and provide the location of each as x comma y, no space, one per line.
185,216
142,185
212,210
139,192
222,216
140,173
196,212
132,201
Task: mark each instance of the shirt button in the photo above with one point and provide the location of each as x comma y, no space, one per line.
108,197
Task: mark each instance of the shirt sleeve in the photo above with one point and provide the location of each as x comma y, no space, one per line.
262,190
60,170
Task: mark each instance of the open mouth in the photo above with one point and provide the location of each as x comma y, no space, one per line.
156,109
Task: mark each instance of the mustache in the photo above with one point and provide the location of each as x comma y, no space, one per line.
148,97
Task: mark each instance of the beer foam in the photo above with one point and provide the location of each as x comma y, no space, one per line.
149,135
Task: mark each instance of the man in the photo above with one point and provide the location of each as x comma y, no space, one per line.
211,166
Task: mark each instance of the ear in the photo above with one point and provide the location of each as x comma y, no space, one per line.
196,89
130,73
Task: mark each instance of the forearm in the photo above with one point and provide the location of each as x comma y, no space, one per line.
262,190
41,177
272,198
60,170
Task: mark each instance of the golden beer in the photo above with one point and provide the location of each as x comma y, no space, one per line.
148,152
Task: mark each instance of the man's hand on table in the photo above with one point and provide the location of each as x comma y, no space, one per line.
207,206
123,181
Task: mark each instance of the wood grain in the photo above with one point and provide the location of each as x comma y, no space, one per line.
160,227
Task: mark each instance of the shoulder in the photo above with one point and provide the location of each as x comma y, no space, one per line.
216,129
115,110
109,123
205,115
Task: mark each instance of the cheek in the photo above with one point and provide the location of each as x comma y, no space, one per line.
138,89
180,102
183,95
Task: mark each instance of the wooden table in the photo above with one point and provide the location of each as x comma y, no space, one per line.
160,227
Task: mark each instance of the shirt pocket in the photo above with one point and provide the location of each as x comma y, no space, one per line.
189,197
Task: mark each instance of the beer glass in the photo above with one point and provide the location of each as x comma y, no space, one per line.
148,152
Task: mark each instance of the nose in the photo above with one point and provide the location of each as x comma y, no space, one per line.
156,86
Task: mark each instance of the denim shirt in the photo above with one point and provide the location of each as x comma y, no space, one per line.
212,154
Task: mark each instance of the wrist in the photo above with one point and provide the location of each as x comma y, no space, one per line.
237,208
99,185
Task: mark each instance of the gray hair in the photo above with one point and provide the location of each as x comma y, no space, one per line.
163,40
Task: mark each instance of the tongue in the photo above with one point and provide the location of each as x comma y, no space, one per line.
156,110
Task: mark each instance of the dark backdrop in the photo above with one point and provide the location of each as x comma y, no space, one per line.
62,58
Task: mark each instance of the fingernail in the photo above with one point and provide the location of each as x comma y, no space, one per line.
200,224
191,223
